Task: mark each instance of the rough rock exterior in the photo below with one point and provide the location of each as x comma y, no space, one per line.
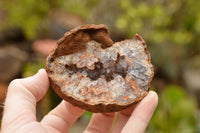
89,71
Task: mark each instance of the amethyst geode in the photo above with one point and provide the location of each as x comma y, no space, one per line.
89,71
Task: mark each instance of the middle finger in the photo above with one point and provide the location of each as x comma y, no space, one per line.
100,123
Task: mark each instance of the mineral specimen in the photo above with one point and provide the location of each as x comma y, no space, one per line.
89,71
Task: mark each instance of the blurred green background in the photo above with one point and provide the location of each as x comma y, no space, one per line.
171,29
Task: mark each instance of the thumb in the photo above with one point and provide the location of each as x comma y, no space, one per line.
22,95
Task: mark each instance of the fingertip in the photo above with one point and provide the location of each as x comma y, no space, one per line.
37,84
73,109
41,72
153,96
42,75
109,114
153,93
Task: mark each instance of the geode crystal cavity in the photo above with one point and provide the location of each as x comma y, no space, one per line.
89,71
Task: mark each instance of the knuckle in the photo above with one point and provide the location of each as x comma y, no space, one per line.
14,83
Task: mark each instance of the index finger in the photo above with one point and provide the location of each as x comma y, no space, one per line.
125,120
142,114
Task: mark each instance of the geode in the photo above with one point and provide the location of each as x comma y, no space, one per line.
89,71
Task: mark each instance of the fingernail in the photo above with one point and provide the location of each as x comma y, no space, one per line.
153,94
39,71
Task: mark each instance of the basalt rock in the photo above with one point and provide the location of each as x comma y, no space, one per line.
90,71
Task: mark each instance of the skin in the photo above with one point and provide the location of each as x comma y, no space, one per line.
20,111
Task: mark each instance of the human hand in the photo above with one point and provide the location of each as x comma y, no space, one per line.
20,111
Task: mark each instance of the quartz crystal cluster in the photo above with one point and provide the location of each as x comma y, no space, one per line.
91,72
